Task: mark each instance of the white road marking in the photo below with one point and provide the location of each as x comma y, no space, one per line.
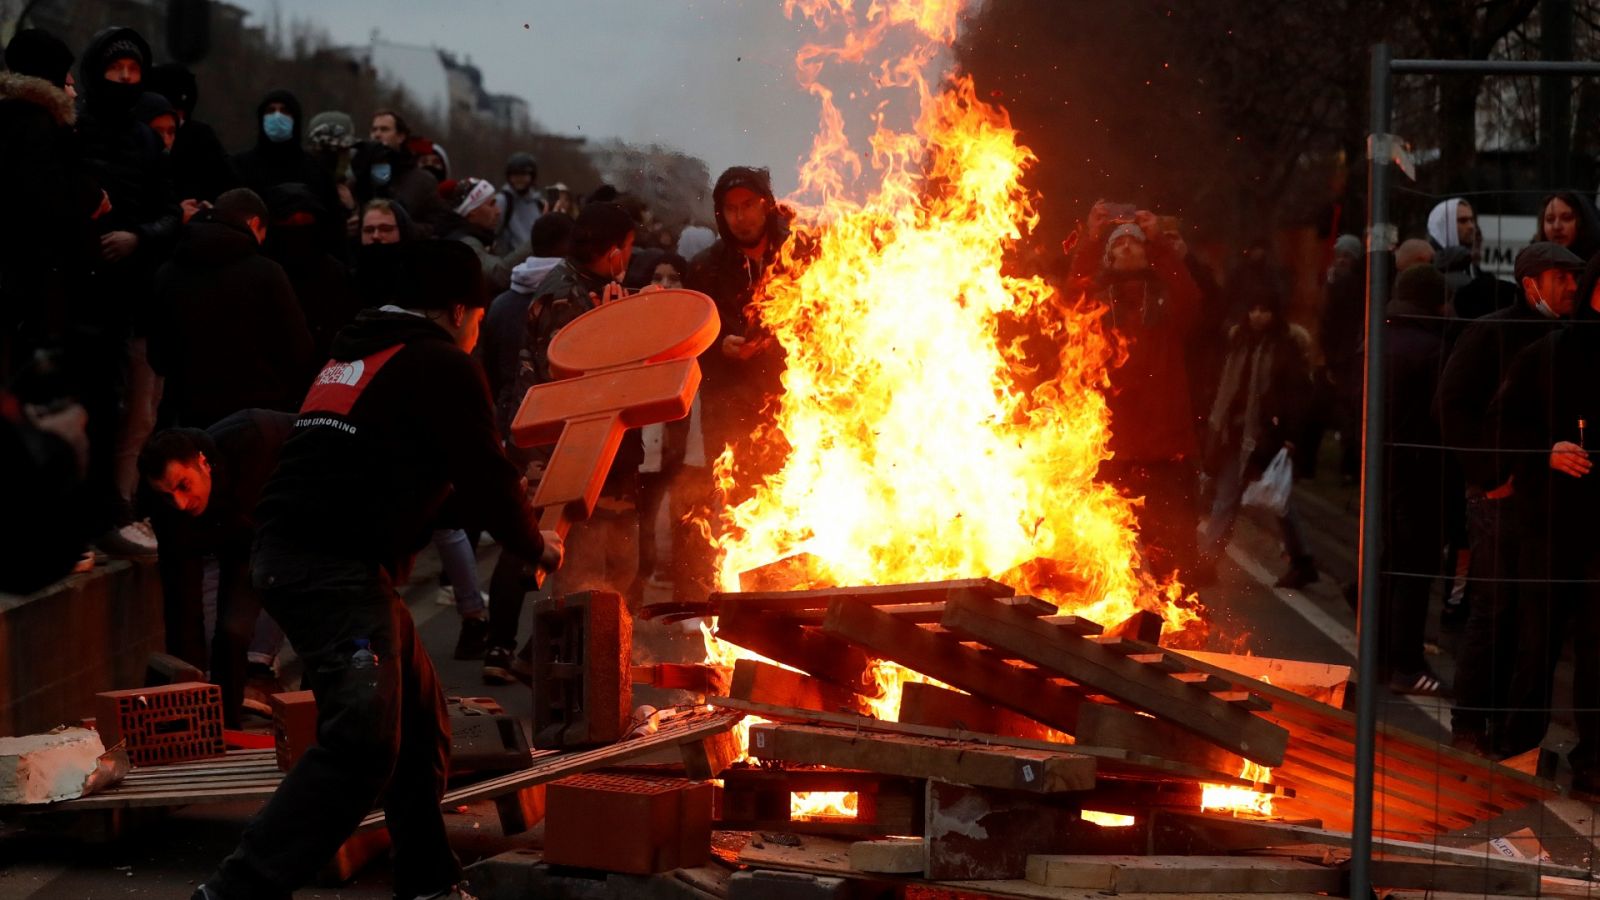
1433,707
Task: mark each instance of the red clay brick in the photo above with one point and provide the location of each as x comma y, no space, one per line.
627,823
294,726
167,724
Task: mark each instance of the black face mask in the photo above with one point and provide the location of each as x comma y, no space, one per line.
114,96
289,244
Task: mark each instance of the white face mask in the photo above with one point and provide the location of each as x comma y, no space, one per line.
1543,307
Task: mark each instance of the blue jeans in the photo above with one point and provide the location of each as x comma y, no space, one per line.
1225,511
460,561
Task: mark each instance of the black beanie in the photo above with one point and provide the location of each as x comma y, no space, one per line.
40,54
122,48
440,274
600,227
747,177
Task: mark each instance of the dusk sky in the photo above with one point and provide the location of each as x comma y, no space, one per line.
714,78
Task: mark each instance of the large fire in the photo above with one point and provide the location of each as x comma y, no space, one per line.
923,441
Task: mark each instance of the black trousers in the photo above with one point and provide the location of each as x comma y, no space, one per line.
382,734
1550,612
1489,643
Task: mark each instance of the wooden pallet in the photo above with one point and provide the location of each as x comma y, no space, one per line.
987,673
962,762
1421,788
1111,762
254,774
1143,682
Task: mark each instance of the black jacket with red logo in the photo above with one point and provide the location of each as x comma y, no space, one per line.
397,423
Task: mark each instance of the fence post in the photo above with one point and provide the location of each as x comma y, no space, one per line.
1379,159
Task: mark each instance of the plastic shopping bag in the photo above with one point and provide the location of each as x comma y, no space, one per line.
1271,491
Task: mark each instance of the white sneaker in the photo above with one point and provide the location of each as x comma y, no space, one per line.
132,539
446,597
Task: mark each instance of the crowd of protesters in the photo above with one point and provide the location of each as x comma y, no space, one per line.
1490,388
251,367
188,339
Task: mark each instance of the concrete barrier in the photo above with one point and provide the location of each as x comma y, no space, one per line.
84,634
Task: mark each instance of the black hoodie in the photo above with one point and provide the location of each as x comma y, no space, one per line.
398,421
269,164
227,334
1552,386
322,283
118,153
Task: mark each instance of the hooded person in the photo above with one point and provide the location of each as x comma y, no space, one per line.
387,173
277,157
201,169
1148,296
1415,474
136,235
228,333
604,548
142,224
476,222
520,200
1453,232
397,425
296,240
46,245
158,116
505,325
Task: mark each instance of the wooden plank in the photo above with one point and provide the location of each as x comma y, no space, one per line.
890,856
872,595
1020,689
1322,682
764,682
1091,665
822,655
1143,625
929,613
1112,759
1109,726
1293,710
1203,681
962,762
940,657
1241,700
831,856
1223,833
927,704
1183,874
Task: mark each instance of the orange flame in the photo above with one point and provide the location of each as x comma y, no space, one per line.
920,445
925,437
1238,799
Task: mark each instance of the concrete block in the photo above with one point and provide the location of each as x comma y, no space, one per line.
42,768
890,856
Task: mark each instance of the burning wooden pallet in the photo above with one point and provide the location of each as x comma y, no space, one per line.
1052,727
